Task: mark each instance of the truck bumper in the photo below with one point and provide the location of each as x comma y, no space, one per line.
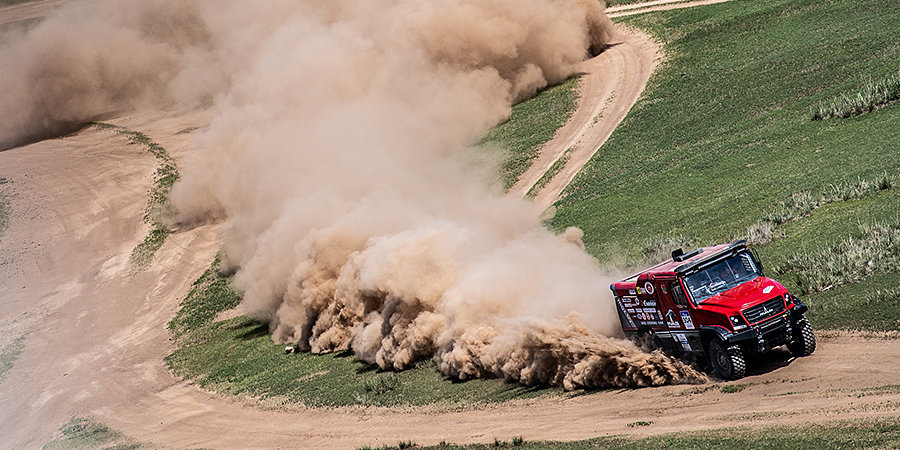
770,333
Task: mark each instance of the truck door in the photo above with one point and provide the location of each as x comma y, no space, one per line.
677,314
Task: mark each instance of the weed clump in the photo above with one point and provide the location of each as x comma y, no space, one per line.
82,432
383,385
873,95
876,249
733,388
402,445
803,204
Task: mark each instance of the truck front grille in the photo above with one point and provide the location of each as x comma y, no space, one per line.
764,310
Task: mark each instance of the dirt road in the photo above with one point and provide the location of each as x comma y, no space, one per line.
96,334
610,84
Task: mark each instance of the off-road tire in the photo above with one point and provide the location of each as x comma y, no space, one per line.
646,340
804,340
727,362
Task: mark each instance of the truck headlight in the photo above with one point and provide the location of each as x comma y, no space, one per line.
737,323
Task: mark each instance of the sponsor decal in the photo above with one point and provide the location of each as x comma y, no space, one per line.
663,288
682,339
627,317
686,318
768,289
648,286
649,302
672,319
632,292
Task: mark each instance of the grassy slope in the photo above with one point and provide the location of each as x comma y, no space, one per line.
531,124
723,134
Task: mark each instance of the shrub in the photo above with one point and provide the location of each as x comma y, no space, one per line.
383,385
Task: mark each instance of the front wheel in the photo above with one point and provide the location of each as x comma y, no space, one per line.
804,340
728,362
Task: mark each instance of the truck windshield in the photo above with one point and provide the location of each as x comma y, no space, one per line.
721,276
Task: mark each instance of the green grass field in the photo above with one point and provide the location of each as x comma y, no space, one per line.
721,142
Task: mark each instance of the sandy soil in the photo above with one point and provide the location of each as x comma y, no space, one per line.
96,334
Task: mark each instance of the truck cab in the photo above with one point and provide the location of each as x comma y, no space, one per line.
713,303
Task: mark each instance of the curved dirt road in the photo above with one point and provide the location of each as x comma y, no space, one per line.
610,84
96,333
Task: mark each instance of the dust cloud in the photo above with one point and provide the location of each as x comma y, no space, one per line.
340,153
90,60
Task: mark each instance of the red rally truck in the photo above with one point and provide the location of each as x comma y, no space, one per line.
713,302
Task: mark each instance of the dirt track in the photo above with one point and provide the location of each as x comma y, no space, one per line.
610,84
96,332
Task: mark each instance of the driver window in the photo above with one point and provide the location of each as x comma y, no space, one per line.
678,294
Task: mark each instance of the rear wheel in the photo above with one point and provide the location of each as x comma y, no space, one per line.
727,361
804,340
646,340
